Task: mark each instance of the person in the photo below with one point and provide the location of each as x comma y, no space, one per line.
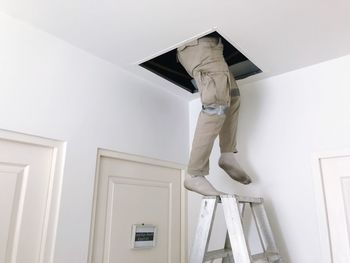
204,61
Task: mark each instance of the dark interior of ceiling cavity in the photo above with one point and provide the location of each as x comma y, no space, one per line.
167,67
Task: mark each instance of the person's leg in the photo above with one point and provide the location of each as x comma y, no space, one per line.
215,99
228,132
207,129
227,137
204,62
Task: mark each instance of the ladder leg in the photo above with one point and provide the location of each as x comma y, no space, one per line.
264,229
205,223
233,219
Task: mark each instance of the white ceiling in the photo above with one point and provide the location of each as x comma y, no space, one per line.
278,36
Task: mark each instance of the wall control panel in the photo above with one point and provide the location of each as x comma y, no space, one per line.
143,236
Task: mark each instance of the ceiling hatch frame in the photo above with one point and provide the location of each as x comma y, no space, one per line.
165,65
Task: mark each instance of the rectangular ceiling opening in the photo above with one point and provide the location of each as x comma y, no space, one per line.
167,66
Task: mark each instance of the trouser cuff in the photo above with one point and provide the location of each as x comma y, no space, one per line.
197,172
228,150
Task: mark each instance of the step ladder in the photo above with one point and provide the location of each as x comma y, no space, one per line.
236,249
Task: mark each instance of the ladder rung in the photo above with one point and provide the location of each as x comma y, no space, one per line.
220,253
261,258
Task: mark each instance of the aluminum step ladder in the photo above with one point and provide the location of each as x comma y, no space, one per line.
236,249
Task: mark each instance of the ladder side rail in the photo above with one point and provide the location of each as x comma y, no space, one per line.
229,258
234,223
205,223
264,228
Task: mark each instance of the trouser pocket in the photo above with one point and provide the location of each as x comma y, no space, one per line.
214,87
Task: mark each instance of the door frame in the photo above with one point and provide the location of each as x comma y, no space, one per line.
325,240
48,241
141,159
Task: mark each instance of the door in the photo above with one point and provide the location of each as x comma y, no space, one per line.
334,171
30,185
131,190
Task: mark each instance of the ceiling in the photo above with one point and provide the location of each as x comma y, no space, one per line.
278,36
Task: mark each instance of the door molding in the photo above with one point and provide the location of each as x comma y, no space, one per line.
141,159
47,246
325,241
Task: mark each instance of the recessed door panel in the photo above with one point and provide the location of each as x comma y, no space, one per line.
28,189
132,192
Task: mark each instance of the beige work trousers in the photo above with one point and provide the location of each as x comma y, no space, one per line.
203,60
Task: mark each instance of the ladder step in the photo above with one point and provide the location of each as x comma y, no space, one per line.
220,253
261,258
258,258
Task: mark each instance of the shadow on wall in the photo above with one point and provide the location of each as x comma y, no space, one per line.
253,100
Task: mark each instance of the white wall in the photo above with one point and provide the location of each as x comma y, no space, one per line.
283,121
52,89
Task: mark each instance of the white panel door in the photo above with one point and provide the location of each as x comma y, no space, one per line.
335,172
132,190
29,195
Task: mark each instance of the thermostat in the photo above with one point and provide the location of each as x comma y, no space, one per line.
143,236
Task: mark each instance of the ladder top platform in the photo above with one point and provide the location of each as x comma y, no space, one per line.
240,199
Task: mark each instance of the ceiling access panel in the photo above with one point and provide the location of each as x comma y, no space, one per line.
167,66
